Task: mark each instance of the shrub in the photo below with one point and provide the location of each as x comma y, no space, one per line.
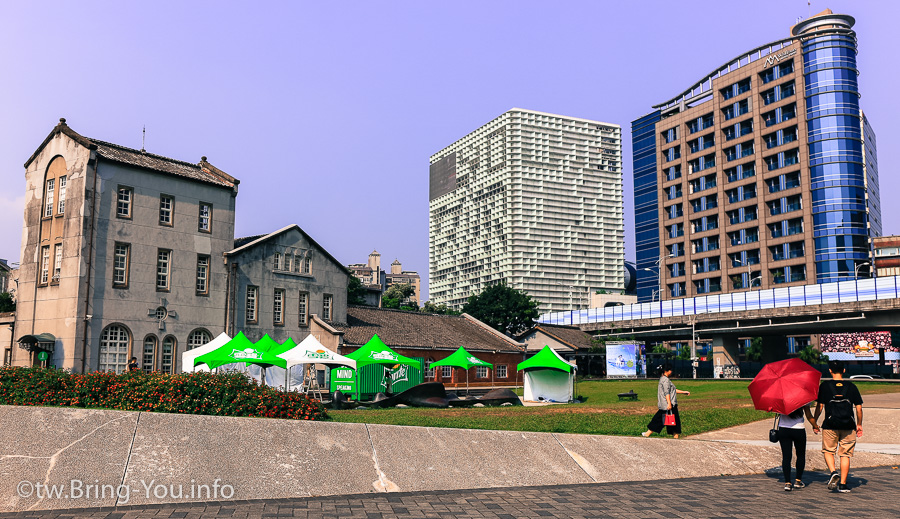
228,394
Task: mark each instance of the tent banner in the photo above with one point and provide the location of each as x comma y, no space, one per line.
620,360
343,380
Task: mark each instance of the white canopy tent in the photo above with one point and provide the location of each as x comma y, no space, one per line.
187,358
309,351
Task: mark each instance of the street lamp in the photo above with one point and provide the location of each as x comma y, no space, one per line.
658,268
856,270
571,289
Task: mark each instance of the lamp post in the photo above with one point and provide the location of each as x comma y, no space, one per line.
658,268
856,270
571,290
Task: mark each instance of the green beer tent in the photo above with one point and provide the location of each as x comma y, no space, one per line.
241,350
548,377
377,352
462,359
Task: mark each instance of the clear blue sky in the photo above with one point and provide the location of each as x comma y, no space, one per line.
328,111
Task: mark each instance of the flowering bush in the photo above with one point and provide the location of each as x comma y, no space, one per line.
229,394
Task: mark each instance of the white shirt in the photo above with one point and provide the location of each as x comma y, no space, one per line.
786,422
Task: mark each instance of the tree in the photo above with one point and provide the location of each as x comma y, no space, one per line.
812,356
397,296
356,292
442,309
754,352
6,302
505,309
684,352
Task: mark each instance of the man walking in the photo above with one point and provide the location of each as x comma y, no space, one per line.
839,432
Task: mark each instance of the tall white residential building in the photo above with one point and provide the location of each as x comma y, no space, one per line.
532,199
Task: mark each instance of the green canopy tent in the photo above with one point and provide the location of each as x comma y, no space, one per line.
377,352
548,377
463,359
241,350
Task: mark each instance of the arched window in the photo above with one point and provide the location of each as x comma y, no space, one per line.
114,343
198,337
167,354
148,356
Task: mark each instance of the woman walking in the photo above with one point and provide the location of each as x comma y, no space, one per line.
667,403
792,432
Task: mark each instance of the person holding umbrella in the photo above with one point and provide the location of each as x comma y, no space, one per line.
667,405
787,387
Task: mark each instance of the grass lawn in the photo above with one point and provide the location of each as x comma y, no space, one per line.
711,405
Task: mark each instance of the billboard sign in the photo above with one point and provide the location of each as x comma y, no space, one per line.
621,360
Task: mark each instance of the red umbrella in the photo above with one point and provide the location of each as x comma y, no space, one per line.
785,386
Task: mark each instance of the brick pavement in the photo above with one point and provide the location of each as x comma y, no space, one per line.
874,494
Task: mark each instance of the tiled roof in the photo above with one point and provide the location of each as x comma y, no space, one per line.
201,172
240,242
402,329
244,244
570,335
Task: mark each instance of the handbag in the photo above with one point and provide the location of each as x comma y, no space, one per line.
773,432
670,419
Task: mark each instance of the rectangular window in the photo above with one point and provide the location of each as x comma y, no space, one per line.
202,274
205,222
296,263
61,208
278,307
252,299
48,198
121,259
166,206
288,262
57,262
501,370
429,371
303,309
149,356
163,267
277,262
307,264
168,351
123,202
446,372
45,264
327,307
481,372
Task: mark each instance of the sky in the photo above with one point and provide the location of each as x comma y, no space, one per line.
328,111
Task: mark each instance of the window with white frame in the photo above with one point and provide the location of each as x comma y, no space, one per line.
278,307
198,338
48,198
205,222
327,307
121,259
303,308
61,207
446,372
45,264
202,274
288,262
501,371
148,359
252,300
57,262
429,371
296,263
277,261
167,354
123,202
114,342
163,269
166,210
481,372
307,264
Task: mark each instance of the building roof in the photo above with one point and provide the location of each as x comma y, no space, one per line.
402,329
200,172
243,244
571,336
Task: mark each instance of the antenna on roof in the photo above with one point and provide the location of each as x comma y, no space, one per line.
144,139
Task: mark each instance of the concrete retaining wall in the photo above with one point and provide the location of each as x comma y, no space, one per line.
103,458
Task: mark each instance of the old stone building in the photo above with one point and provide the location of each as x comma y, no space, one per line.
285,284
121,255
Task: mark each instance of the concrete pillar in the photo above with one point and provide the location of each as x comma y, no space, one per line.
724,350
774,347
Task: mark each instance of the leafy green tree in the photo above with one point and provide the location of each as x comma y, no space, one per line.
659,348
396,296
812,356
6,302
442,309
684,353
356,292
504,309
754,352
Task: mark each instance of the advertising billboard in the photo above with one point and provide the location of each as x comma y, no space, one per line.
621,360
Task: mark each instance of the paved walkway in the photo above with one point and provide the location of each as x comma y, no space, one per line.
874,494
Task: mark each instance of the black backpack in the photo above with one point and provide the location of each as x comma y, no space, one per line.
839,410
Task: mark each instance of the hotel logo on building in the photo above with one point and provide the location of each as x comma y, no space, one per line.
775,58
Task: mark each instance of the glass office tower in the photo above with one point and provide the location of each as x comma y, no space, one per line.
759,175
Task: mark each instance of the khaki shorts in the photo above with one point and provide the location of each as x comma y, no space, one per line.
840,441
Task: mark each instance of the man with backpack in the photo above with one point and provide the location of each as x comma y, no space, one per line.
839,397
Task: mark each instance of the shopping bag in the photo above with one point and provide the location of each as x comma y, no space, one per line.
670,419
